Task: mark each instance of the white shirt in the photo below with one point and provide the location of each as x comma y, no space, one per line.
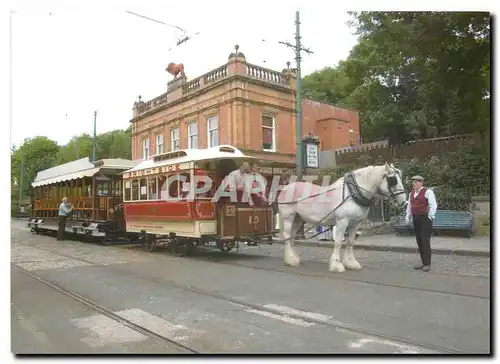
244,181
431,198
236,180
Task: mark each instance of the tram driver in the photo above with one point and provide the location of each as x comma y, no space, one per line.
245,179
65,209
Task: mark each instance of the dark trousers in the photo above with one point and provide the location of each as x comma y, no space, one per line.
423,231
62,227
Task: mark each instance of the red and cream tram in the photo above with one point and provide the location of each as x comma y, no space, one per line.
175,199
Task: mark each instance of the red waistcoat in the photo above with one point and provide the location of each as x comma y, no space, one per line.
419,205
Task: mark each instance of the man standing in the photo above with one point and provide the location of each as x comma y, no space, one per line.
64,209
258,181
421,209
238,179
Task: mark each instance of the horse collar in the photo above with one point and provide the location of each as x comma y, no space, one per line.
355,190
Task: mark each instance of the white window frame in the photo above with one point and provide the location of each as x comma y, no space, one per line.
158,144
145,148
262,126
173,140
211,130
190,135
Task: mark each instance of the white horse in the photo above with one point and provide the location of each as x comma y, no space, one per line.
344,204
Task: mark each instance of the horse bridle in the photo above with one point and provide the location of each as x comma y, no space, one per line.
393,181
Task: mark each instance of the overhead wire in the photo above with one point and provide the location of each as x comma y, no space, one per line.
181,40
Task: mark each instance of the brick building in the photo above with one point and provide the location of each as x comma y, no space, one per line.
241,104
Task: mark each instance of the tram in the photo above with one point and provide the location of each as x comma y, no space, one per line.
175,199
95,191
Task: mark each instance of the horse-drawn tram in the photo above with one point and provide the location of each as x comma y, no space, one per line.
184,199
94,191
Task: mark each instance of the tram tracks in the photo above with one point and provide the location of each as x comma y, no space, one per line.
208,293
107,312
288,270
217,257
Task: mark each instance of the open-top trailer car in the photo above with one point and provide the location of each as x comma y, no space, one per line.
168,201
93,189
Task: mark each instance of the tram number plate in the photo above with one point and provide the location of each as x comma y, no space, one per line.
230,210
253,219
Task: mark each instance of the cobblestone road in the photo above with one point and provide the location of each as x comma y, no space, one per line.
248,302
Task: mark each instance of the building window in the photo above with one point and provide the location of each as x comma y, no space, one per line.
174,137
159,143
268,133
192,135
145,148
213,132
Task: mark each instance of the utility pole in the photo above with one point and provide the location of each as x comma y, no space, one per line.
21,182
94,138
299,162
298,85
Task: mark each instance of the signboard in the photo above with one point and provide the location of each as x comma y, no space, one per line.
312,160
154,170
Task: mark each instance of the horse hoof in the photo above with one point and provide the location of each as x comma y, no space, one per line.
352,264
292,262
337,267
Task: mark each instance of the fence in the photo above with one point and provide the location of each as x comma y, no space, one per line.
420,149
448,198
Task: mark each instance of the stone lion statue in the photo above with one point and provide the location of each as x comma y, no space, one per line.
174,69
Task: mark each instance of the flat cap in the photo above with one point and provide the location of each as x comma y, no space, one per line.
417,178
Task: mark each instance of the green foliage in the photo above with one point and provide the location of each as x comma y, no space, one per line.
36,154
78,147
413,75
40,153
469,165
454,177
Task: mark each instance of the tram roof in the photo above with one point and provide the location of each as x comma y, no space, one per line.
79,168
191,155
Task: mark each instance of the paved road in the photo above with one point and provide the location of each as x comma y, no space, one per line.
243,303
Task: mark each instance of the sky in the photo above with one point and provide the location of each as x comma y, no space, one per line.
69,62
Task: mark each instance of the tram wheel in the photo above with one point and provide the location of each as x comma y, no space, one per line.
181,248
226,247
103,241
149,243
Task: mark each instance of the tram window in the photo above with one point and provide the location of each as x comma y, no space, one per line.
116,188
173,190
102,188
153,193
185,186
161,186
135,190
143,189
127,191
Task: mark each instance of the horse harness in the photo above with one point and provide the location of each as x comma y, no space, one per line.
355,193
360,198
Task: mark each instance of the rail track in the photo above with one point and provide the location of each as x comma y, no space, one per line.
106,312
227,259
216,295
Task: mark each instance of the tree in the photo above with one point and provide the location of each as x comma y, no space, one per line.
36,153
113,144
413,75
78,147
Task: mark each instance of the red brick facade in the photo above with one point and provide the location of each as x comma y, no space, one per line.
250,106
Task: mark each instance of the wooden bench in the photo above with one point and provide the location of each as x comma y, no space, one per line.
445,220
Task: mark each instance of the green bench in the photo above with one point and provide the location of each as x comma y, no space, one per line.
445,220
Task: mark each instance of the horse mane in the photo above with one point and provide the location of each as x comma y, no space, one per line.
358,173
